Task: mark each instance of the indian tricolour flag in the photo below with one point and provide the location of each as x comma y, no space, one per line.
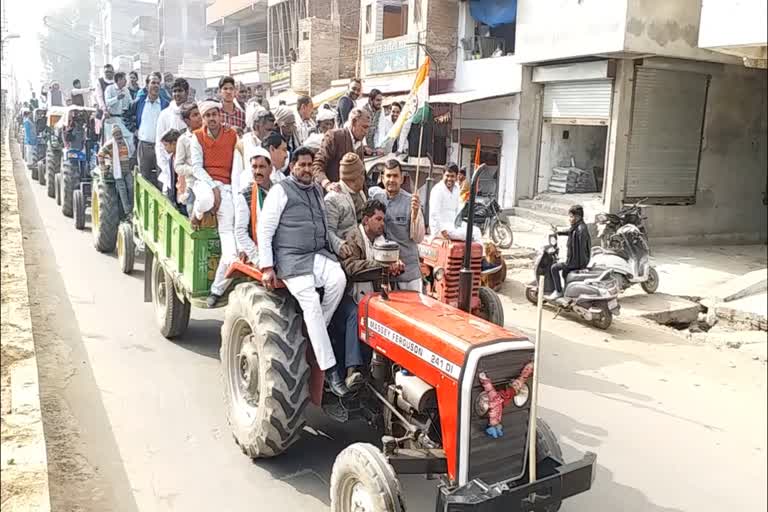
416,103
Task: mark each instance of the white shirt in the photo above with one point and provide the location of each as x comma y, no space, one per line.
303,127
443,208
243,238
269,219
116,106
198,168
149,117
101,95
169,118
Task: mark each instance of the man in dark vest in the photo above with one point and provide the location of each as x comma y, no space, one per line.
293,246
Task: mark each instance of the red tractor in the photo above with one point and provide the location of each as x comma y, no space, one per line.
448,391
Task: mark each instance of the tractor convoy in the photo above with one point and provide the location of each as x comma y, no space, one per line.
448,387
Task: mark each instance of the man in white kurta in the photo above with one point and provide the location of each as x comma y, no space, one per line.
293,247
444,207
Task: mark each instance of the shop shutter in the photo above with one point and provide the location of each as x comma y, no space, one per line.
665,136
589,99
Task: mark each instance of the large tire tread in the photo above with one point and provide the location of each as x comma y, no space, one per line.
105,232
78,209
491,305
176,315
52,164
284,372
69,182
126,253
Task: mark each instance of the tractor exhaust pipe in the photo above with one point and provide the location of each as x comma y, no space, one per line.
465,276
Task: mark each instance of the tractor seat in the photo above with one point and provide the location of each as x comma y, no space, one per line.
583,275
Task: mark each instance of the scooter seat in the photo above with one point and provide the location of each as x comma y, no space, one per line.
583,275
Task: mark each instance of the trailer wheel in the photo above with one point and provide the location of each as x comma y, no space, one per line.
105,216
172,314
41,172
362,479
264,370
126,248
491,308
70,180
547,446
78,205
57,189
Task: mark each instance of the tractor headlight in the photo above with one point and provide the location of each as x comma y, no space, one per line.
439,273
522,395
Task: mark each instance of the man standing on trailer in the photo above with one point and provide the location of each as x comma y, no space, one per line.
215,152
231,113
120,155
294,247
118,100
170,118
147,109
338,143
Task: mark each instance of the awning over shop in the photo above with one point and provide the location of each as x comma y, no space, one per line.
330,94
461,97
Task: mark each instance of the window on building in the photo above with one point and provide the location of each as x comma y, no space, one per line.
394,18
252,39
368,18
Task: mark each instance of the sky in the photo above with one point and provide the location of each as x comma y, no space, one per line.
25,17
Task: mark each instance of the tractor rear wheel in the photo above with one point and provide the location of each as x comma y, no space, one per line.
78,209
126,248
70,180
491,308
105,216
547,446
172,314
363,479
52,164
264,370
41,172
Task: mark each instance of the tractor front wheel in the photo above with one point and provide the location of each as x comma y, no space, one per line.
491,308
69,182
105,215
172,314
547,446
78,206
52,165
126,248
41,172
264,370
57,189
362,479
35,168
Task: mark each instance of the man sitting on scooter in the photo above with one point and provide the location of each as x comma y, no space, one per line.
579,249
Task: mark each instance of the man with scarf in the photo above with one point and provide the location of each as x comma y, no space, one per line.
216,153
294,247
286,125
248,204
116,156
358,257
345,205
579,249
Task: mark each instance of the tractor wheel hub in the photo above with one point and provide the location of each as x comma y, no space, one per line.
248,371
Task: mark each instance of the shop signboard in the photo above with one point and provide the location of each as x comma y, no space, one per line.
390,56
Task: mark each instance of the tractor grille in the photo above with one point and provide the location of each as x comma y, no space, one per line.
453,271
494,460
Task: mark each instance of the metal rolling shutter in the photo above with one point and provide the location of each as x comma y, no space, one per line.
589,99
665,136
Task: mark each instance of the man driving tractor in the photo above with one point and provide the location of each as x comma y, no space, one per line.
118,155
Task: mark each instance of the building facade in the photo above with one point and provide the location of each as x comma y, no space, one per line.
117,21
185,42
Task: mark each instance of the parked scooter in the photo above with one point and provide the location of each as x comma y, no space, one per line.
592,294
609,223
489,218
627,256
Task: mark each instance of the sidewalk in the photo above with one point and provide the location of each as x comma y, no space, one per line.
687,275
24,464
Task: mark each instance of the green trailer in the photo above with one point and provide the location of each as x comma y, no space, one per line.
179,262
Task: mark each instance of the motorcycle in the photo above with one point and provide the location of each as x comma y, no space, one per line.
627,256
591,294
490,220
609,223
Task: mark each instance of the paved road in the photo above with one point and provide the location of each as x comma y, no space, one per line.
135,422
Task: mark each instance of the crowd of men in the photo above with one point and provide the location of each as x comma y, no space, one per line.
284,187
